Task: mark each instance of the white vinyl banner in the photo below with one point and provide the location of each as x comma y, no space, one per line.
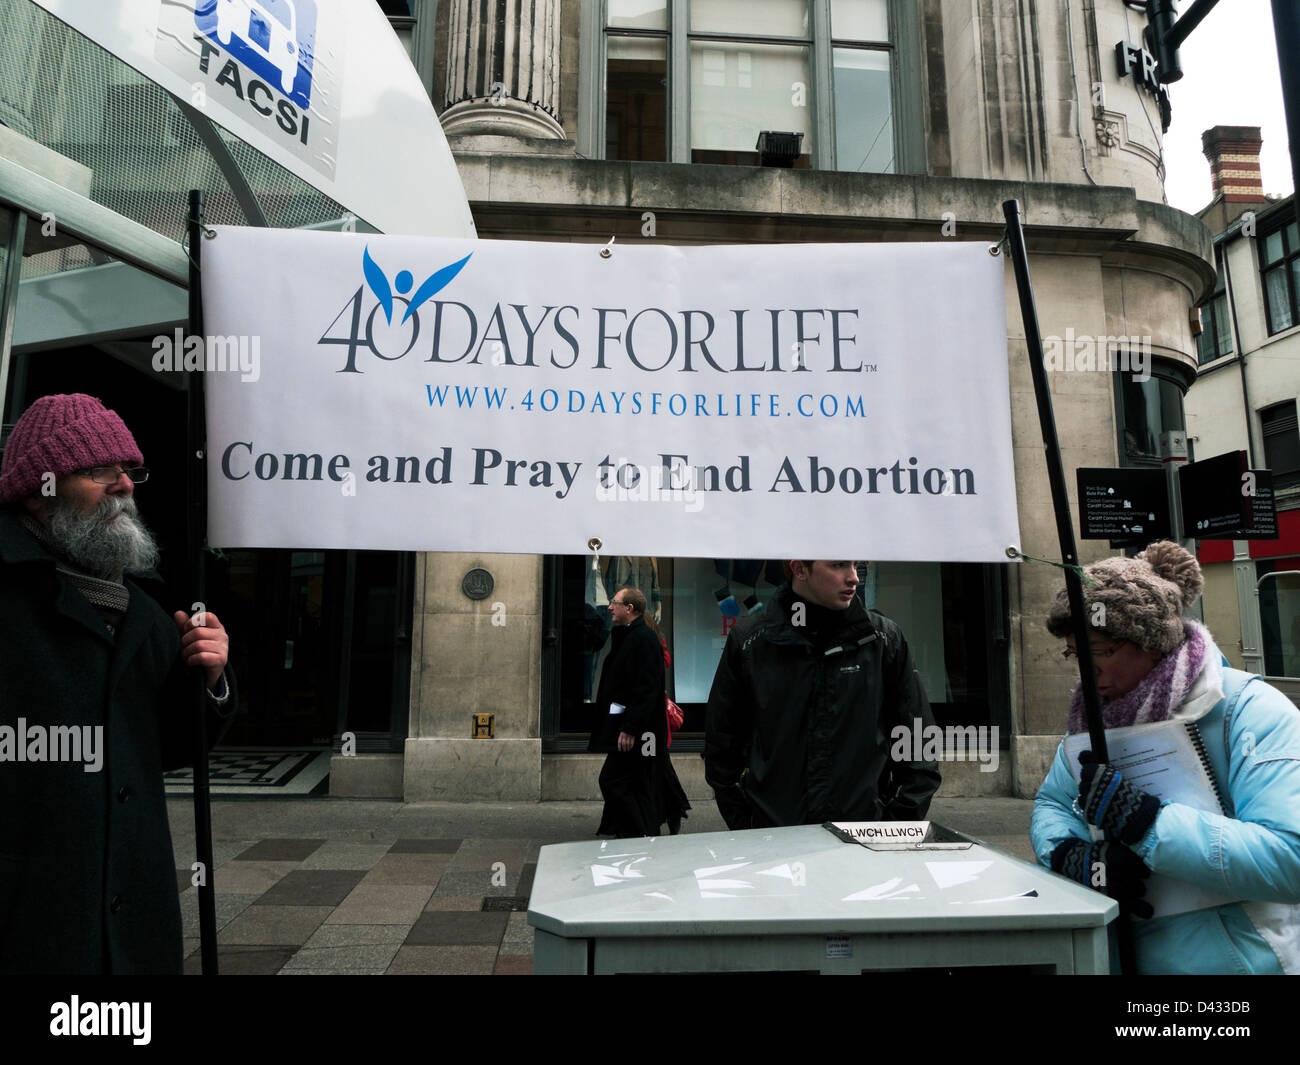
403,393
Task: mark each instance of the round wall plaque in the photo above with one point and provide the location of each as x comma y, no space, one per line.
477,584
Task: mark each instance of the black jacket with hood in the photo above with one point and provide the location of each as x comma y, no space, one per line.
799,721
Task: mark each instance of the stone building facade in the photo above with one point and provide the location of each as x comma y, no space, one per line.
1245,398
583,120
673,121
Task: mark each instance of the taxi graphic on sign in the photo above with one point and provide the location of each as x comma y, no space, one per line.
273,38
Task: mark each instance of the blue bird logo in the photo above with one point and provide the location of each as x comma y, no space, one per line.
378,282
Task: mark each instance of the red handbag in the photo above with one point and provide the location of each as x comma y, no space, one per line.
675,718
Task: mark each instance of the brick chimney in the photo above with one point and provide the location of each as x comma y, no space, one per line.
1233,152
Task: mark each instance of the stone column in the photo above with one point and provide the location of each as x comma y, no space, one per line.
503,69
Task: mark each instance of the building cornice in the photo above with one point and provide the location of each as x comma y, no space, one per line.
577,199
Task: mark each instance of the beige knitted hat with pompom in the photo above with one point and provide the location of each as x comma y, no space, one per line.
1138,599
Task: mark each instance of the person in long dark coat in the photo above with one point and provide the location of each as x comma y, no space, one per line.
94,704
631,723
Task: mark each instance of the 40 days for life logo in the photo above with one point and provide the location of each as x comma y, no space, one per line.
386,293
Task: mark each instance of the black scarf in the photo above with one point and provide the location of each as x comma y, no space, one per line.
109,598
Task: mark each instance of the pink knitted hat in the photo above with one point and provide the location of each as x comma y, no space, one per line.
60,434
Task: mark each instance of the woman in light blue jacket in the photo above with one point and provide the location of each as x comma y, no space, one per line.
1232,903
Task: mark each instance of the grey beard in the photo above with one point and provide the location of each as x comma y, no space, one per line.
100,546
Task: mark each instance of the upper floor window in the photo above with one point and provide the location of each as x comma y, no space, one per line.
1279,267
1216,334
1281,443
700,80
1148,410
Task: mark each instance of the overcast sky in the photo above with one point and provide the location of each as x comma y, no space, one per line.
1230,78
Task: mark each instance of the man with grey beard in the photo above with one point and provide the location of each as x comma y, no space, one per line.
106,542
87,873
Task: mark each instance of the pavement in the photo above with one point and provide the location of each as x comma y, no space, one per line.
321,886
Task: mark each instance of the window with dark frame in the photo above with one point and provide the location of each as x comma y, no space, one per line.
1279,270
1147,410
1215,340
750,71
1281,443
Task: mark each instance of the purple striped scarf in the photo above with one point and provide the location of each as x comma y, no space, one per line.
1160,693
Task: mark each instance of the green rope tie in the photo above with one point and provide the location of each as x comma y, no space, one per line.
1015,553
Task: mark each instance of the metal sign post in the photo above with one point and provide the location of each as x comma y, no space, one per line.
195,527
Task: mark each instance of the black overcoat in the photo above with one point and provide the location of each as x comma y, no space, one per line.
633,675
87,876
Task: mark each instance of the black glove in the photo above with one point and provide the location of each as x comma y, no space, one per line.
1110,802
1108,867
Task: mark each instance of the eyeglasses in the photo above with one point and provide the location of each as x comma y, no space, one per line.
110,474
1099,654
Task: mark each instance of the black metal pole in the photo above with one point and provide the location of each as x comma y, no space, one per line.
1286,28
1061,506
196,527
1190,19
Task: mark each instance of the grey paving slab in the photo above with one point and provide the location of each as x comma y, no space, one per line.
312,887
304,817
346,854
398,904
425,846
518,938
546,821
1020,846
251,960
288,926
357,935
408,869
280,849
223,850
484,853
444,961
347,959
462,883
454,903
999,816
228,906
332,972
250,878
464,929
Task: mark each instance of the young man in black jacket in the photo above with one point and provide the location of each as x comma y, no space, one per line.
803,704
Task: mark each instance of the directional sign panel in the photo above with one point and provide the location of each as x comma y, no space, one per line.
1122,504
1223,500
